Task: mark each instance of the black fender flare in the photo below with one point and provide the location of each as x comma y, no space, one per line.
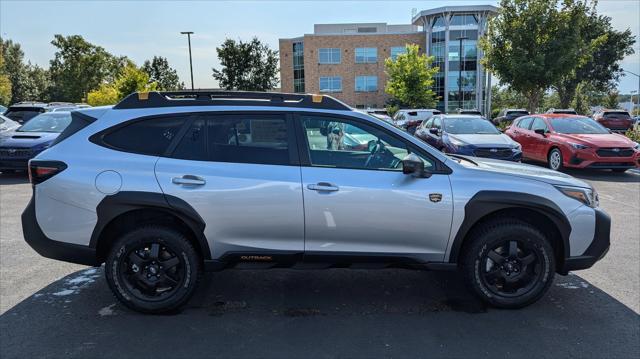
485,203
113,206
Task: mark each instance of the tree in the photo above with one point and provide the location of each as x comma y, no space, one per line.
36,83
604,49
5,83
79,67
131,79
505,97
531,44
410,79
248,66
162,74
580,101
611,100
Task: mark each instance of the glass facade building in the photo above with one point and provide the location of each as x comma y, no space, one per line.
451,35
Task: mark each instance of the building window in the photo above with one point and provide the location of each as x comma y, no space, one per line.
367,29
298,67
463,20
366,55
329,56
439,22
366,83
331,84
397,50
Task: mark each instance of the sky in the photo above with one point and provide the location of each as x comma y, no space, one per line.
142,29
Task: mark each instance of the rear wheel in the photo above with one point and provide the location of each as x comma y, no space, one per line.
555,159
508,263
152,269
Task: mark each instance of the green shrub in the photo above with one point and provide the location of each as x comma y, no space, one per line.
633,133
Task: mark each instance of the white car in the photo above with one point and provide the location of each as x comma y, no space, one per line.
409,120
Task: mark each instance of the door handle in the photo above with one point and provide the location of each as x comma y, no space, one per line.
189,180
323,187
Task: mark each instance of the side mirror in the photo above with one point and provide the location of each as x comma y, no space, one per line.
413,165
541,131
433,130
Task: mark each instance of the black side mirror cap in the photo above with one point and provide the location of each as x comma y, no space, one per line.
413,165
540,131
433,130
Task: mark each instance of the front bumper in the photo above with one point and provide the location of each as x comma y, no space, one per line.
49,248
596,250
590,159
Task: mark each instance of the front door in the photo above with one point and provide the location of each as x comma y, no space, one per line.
239,172
358,201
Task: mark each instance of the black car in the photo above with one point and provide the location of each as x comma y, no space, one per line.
22,112
507,115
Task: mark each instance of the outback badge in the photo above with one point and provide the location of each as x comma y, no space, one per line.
435,197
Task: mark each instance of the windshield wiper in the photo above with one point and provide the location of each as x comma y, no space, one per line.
461,158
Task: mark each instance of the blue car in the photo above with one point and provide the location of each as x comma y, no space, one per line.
36,135
469,135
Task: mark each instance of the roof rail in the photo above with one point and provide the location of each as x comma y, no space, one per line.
228,98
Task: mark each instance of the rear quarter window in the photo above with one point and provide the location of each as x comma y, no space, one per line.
148,137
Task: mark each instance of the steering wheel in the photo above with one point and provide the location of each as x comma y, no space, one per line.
373,153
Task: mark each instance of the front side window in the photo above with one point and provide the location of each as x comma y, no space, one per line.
147,137
366,55
397,50
331,84
329,56
366,83
538,124
524,123
339,143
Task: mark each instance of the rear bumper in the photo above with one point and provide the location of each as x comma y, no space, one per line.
596,250
49,248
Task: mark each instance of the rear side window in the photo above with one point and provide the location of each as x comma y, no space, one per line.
147,137
251,138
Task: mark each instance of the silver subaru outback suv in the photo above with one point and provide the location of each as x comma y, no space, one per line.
164,186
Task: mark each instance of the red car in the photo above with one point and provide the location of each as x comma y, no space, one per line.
573,141
615,120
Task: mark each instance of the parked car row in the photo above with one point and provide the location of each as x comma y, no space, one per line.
22,112
558,140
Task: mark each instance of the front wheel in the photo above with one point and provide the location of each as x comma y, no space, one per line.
508,263
555,159
152,269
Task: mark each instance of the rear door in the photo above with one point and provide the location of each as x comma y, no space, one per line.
240,173
523,136
538,143
360,203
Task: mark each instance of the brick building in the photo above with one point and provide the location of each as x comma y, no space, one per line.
347,60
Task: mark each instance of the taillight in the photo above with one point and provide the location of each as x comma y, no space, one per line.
40,171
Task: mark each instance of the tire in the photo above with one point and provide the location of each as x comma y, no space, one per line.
508,286
145,262
619,170
554,159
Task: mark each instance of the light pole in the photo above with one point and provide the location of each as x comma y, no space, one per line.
638,76
460,64
188,33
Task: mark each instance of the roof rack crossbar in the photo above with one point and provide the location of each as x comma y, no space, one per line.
229,98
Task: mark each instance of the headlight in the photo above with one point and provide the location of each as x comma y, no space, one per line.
587,196
636,146
578,146
517,146
456,142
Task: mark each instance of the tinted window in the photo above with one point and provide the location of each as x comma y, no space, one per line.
193,145
437,123
339,143
525,122
23,115
428,123
149,137
261,139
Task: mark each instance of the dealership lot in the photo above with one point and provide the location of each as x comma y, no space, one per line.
58,309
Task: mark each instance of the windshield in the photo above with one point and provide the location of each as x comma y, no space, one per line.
47,122
577,125
469,126
517,113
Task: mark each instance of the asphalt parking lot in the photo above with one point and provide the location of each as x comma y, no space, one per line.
55,309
